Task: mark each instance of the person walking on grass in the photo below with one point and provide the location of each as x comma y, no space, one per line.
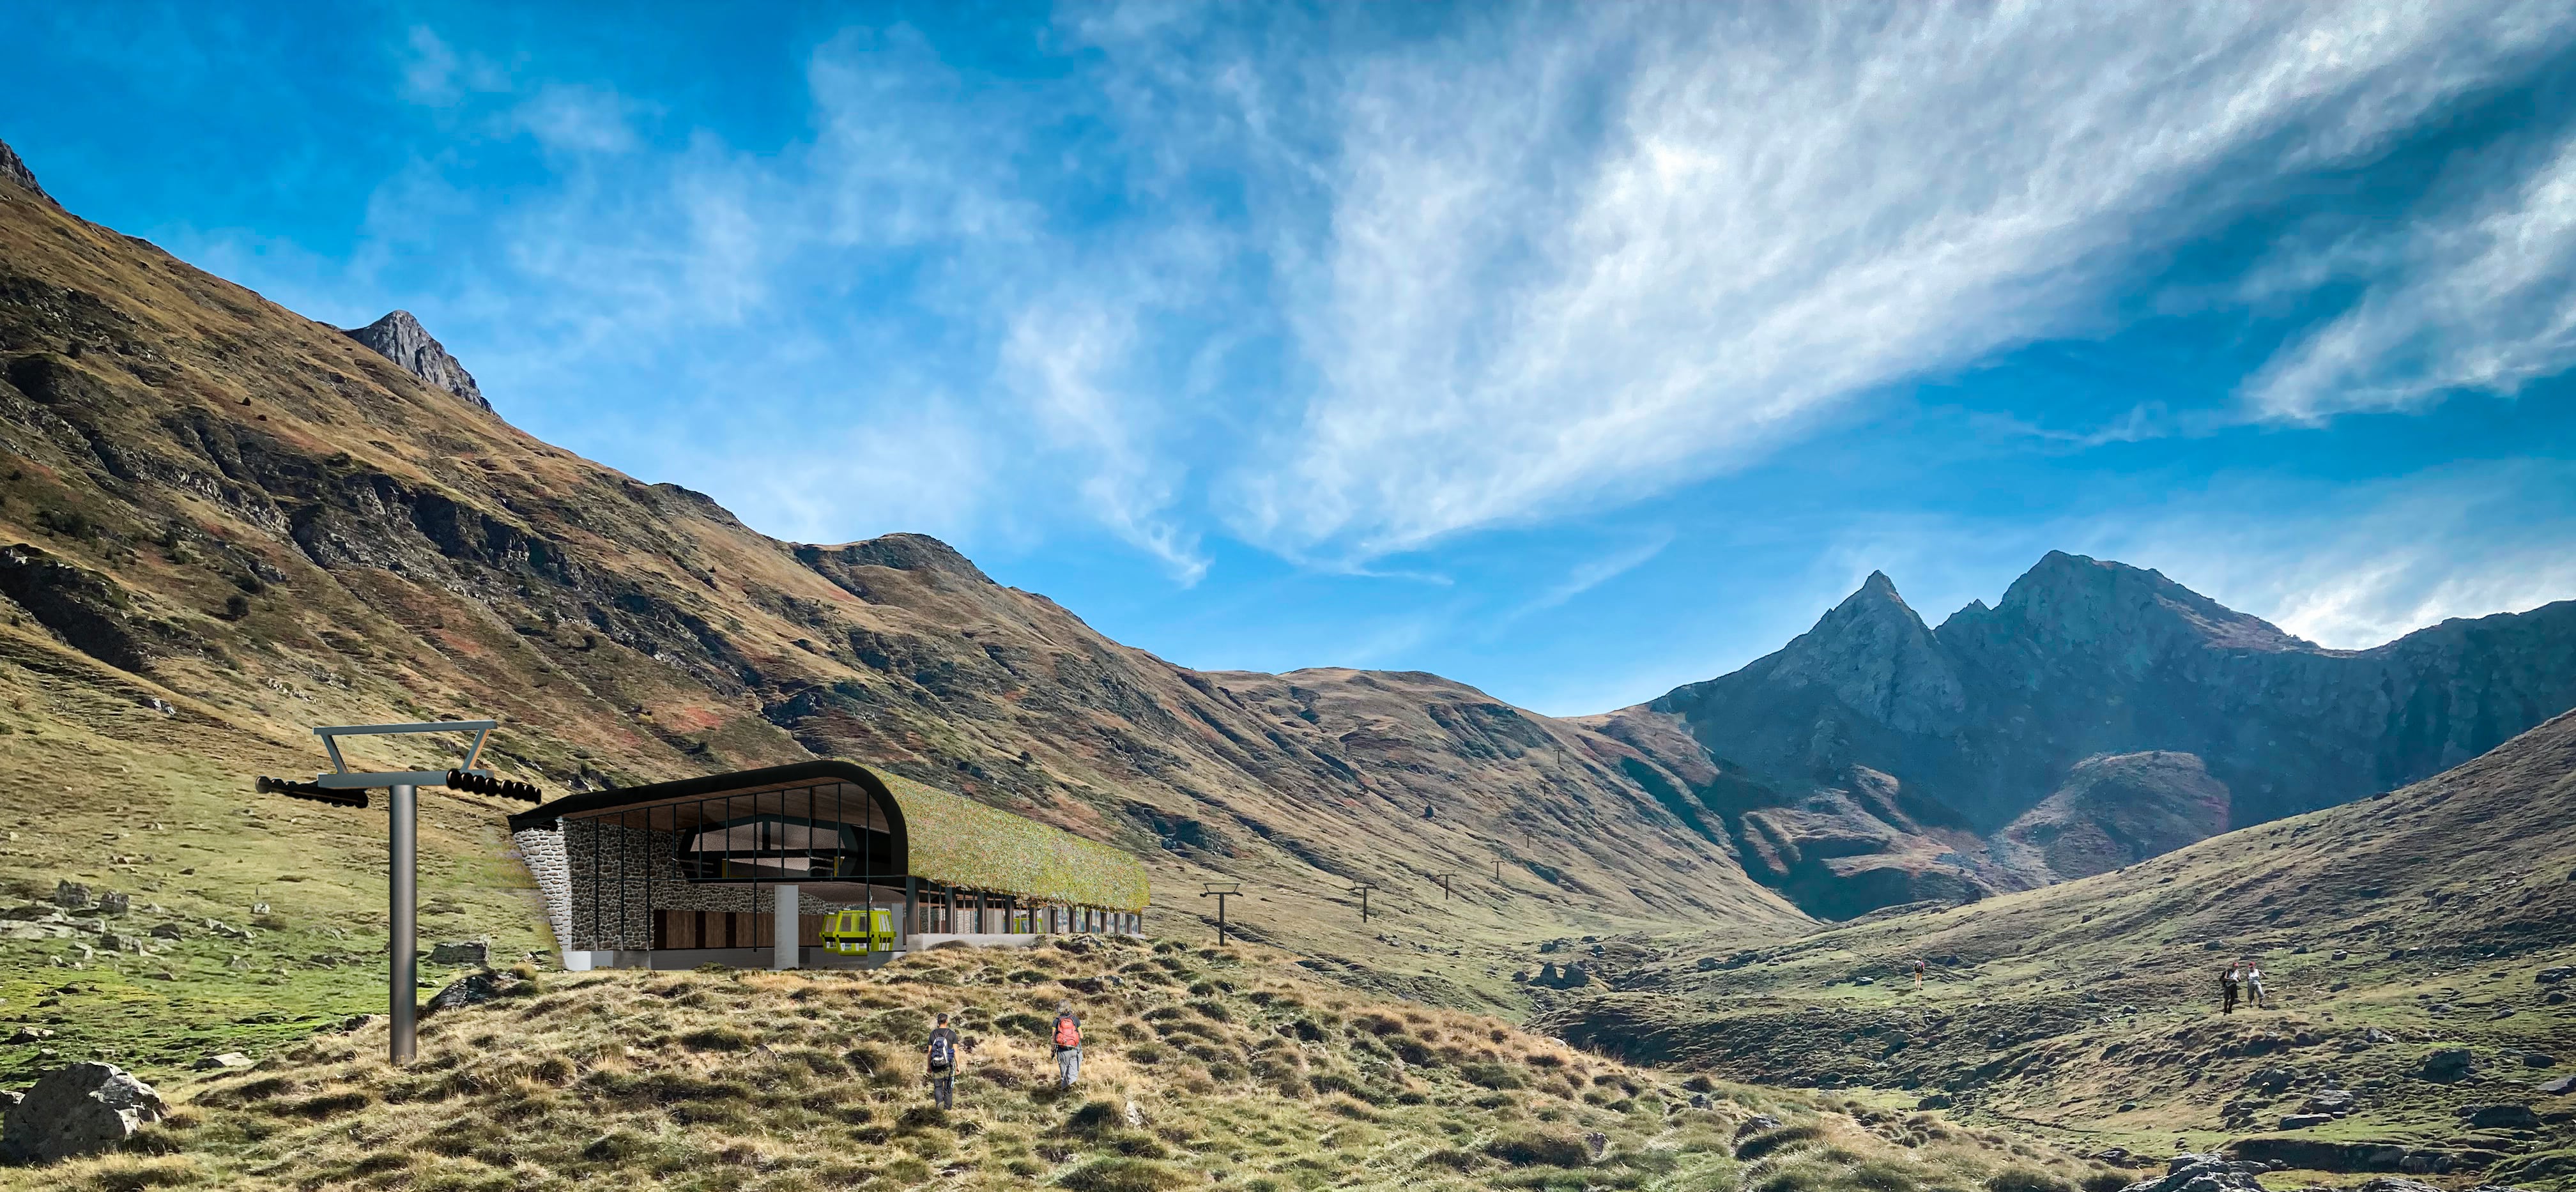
2227,991
1068,1045
2254,986
943,1063
1918,975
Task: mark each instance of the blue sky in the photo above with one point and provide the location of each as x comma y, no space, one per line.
1573,351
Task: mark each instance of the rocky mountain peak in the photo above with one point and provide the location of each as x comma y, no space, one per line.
400,338
2072,601
15,170
1877,657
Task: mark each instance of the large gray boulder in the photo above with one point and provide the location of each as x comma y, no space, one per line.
79,1110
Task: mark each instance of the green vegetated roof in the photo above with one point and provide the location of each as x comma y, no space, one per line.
961,842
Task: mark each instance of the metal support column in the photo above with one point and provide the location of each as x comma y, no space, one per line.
783,934
403,840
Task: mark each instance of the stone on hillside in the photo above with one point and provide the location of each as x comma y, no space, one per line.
2558,1086
2330,1101
2390,1183
464,952
78,1110
115,903
32,1034
228,1060
2539,1059
2301,1121
1934,1101
70,895
2503,1117
166,931
2554,974
472,989
2447,1064
2340,954
1758,1122
2372,1034
2200,1173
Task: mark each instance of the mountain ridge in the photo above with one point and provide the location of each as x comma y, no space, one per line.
265,523
1988,716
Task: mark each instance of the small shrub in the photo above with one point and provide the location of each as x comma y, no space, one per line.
1540,1150
1492,1076
1124,1175
2105,1181
2026,1179
716,1038
1772,1140
1454,1159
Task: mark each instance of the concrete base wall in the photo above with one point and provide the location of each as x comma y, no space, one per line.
683,959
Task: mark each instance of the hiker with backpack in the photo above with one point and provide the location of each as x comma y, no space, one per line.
1068,1044
2227,991
943,1063
2254,986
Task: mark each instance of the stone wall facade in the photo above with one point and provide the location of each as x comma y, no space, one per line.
542,850
603,910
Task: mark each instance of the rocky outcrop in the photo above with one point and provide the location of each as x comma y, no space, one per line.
2099,714
2115,810
78,1110
14,170
400,338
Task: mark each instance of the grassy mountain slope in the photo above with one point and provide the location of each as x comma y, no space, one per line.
2441,916
212,506
1211,1067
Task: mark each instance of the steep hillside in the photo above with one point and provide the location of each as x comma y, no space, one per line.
1203,1068
2418,946
1874,761
231,517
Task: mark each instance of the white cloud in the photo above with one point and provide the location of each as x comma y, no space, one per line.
2374,561
1062,361
435,75
2482,298
567,118
1568,266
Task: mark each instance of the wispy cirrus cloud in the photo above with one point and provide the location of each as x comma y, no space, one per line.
1663,240
2481,296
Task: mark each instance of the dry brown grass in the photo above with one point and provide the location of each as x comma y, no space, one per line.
1240,1070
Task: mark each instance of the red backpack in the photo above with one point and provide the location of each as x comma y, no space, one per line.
1067,1034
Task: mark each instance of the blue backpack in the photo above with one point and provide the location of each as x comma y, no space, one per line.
940,1057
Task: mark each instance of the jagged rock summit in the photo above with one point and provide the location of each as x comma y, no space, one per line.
400,338
15,170
2097,715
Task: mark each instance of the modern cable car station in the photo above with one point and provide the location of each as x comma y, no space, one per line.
817,864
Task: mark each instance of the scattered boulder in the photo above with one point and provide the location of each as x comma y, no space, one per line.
2539,1059
115,903
2390,1183
1757,1123
2333,1102
32,1034
464,952
2502,1117
2554,974
70,895
218,1063
2340,954
78,1110
2199,1173
2447,1064
166,931
2301,1121
1934,1101
472,989
2557,1087
2372,1034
